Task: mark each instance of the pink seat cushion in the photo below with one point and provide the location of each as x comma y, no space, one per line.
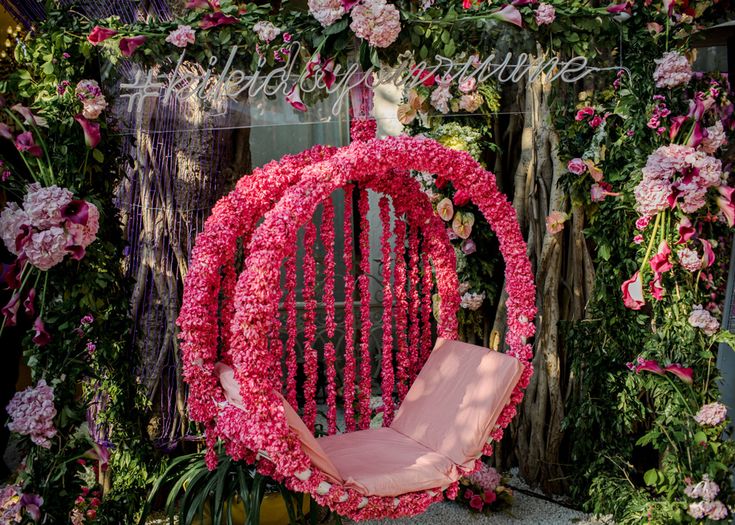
309,444
383,462
456,399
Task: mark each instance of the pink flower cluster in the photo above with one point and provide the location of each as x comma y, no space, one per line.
182,36
486,477
676,174
326,12
472,301
49,225
93,101
711,414
672,70
706,490
15,506
376,21
703,319
32,412
266,31
299,184
545,14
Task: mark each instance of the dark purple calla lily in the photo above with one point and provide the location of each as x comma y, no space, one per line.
699,133
26,142
11,273
77,252
684,373
29,304
217,19
349,4
696,108
615,9
32,505
77,211
42,337
10,310
92,135
128,45
6,131
25,234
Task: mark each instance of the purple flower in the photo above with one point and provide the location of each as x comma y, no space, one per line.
77,211
92,135
42,337
468,247
26,142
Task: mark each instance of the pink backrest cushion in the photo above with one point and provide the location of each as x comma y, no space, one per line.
456,399
308,442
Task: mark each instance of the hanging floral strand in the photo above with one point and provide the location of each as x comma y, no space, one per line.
403,361
349,370
388,378
427,287
310,353
365,325
327,235
290,306
414,303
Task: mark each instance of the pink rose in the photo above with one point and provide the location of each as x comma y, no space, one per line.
576,166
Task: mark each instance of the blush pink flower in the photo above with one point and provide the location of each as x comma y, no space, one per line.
576,166
462,224
711,414
445,209
93,101
326,12
672,70
715,138
509,14
266,30
689,259
555,222
182,36
12,219
376,21
703,319
545,14
44,205
32,412
46,248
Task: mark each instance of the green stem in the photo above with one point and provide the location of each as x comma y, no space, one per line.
31,172
656,225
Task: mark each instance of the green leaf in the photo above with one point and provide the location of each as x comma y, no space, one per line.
651,477
48,68
337,27
700,437
98,156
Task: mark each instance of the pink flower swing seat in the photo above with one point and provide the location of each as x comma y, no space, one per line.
453,401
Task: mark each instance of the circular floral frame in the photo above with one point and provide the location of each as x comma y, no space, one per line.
299,184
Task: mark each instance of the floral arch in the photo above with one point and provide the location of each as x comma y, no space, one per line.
293,189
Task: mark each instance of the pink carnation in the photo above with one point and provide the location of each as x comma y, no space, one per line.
32,412
672,70
545,14
711,414
376,21
43,205
715,138
326,12
182,36
689,259
701,318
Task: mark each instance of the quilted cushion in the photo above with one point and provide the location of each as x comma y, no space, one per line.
456,399
383,462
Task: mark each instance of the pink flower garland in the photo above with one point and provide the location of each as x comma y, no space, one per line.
292,365
427,286
327,235
402,358
261,426
311,359
348,381
388,379
414,303
363,283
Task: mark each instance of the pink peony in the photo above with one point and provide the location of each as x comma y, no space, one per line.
32,412
326,12
467,85
672,70
266,31
376,21
555,222
715,138
711,414
182,36
701,318
576,166
689,259
44,205
545,14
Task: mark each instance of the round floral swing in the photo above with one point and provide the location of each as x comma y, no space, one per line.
230,323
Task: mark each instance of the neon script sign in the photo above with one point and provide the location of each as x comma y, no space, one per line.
207,84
